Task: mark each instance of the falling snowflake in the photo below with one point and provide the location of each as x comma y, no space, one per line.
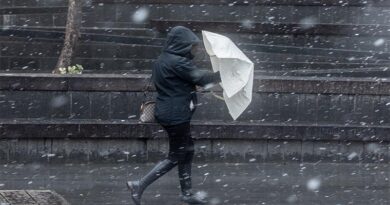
379,42
352,155
141,15
313,184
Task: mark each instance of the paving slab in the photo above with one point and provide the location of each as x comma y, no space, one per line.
31,197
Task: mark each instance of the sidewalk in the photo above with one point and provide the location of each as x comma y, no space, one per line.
233,184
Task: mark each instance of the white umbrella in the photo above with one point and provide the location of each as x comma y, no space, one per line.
236,71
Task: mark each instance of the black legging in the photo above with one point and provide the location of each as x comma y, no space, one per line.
181,152
181,144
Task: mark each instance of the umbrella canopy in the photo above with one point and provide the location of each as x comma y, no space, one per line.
236,71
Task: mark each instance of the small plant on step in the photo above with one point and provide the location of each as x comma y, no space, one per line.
76,69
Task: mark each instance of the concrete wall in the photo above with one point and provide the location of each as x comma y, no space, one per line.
266,107
95,117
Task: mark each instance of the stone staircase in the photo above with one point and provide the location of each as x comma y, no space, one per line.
321,38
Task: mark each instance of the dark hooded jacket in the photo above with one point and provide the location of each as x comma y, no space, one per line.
175,78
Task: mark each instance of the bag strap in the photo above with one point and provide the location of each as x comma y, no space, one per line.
146,88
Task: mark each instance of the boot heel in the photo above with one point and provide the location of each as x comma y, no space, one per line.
134,192
128,184
192,200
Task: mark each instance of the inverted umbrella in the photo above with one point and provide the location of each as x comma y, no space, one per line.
236,71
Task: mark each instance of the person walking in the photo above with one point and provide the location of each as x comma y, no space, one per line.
175,78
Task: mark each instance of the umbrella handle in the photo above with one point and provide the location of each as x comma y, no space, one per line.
217,96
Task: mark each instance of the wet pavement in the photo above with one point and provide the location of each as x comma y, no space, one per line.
240,184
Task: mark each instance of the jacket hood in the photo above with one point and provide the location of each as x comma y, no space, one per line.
180,40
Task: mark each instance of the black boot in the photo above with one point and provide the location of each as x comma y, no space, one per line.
186,185
138,187
192,199
185,178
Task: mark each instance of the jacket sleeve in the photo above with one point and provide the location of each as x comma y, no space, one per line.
189,72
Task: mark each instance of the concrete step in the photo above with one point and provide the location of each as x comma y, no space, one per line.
23,128
357,72
306,51
274,44
100,56
228,11
19,47
32,10
118,35
275,28
105,14
65,141
356,43
273,84
330,42
350,3
257,52
108,65
34,3
98,65
37,10
86,35
132,32
59,20
40,54
354,72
